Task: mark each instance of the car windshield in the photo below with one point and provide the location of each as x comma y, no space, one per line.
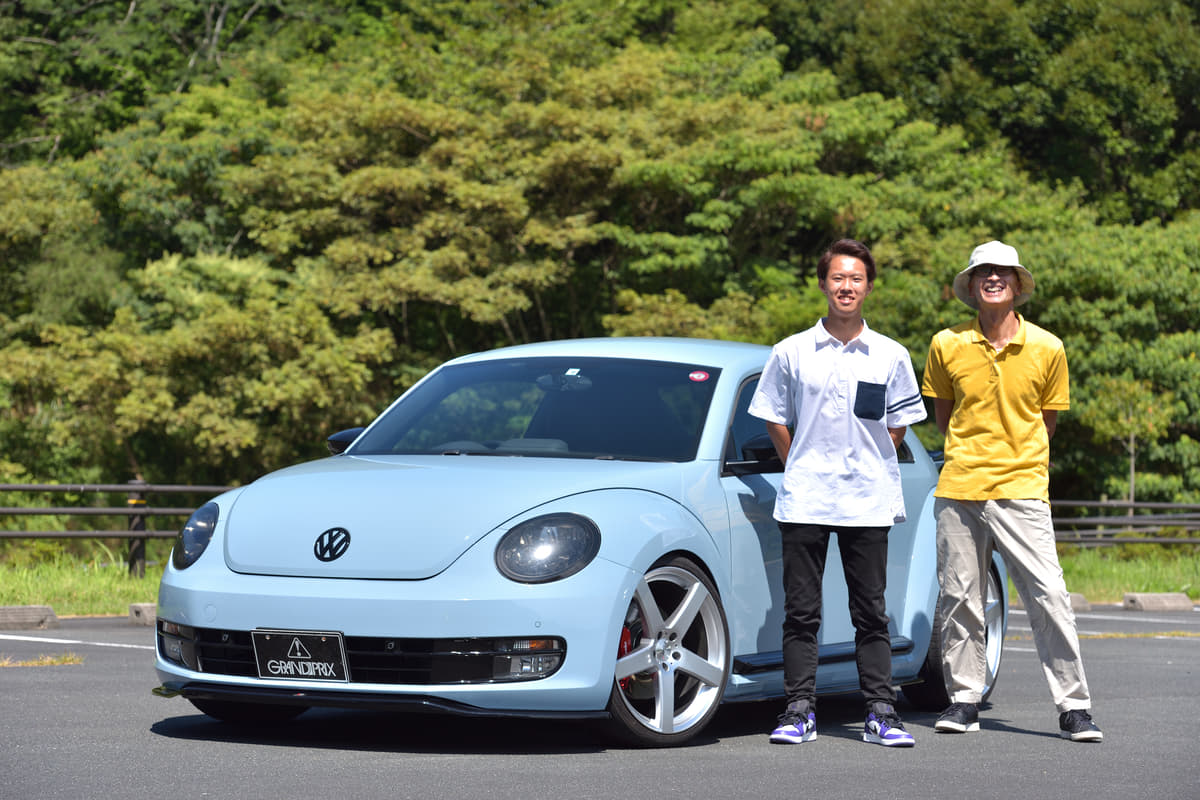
552,407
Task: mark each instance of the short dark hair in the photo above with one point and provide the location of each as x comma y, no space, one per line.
847,247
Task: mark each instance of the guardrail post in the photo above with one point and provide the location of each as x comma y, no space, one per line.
137,522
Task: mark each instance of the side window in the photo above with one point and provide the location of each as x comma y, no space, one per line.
748,445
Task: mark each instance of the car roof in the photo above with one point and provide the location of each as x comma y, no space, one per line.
736,356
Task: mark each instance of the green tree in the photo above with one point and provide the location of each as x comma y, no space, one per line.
71,71
1121,298
55,265
1130,412
218,370
1100,91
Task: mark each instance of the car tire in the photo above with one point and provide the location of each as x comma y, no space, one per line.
673,658
247,713
929,692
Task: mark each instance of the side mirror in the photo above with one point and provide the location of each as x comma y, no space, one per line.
338,442
758,456
759,448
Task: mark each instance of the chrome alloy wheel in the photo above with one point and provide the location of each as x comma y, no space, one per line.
995,608
673,659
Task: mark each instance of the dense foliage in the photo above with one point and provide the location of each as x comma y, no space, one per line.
229,228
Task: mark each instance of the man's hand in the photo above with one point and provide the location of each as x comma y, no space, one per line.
781,437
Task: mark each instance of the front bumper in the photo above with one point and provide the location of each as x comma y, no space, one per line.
585,612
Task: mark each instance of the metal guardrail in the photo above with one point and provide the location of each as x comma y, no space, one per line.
135,510
1127,523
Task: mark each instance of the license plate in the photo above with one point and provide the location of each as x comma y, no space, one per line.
300,655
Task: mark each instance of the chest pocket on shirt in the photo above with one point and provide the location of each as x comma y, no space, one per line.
869,400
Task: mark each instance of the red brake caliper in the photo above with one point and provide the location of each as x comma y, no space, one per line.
623,649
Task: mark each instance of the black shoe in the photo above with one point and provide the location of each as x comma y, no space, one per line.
1078,727
958,718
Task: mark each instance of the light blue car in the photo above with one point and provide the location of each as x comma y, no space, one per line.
568,529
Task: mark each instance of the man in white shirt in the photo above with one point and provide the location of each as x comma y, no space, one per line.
837,400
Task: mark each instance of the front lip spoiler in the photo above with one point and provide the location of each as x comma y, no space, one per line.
423,704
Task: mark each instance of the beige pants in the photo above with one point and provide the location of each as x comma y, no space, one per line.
967,531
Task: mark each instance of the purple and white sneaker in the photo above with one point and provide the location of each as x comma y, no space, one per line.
797,724
884,727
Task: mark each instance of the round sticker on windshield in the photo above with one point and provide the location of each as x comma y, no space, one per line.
699,376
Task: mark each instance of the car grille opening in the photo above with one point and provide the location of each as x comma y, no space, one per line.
378,660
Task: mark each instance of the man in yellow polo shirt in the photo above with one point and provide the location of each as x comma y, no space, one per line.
998,383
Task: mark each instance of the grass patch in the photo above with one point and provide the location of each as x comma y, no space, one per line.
75,587
43,661
1105,574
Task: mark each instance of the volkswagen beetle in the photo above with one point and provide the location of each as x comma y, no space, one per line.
577,529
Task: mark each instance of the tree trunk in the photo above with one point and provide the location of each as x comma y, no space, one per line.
1132,465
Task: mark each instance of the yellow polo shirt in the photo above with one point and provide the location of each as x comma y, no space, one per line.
996,444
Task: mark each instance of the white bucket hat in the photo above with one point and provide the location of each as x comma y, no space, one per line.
996,254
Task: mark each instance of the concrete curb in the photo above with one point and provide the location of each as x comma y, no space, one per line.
1149,601
1134,601
27,618
32,618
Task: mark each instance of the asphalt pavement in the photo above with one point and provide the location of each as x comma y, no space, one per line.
93,729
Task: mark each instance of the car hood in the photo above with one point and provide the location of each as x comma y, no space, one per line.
408,517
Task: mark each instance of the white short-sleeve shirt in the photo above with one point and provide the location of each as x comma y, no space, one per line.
840,401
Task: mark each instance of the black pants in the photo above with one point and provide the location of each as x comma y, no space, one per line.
864,560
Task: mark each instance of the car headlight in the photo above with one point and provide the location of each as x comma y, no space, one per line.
548,548
195,536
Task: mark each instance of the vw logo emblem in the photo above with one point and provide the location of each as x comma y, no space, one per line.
332,544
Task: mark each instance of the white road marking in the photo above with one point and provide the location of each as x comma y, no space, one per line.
48,640
1158,620
1113,618
1079,631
